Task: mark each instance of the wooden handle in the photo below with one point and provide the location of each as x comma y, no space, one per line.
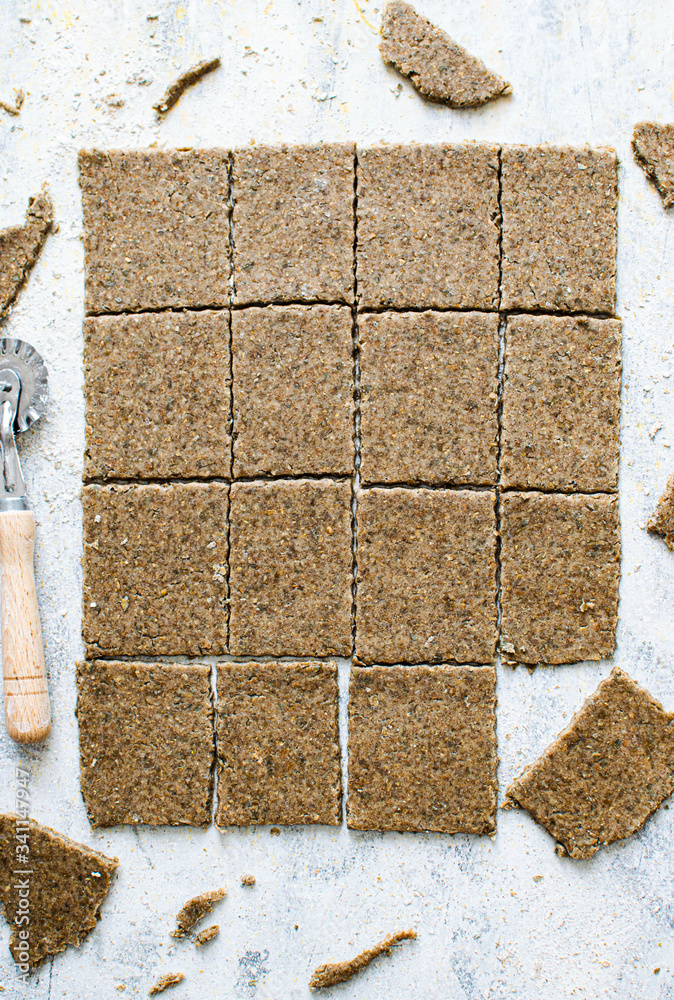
27,713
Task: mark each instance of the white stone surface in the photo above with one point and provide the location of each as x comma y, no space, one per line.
497,918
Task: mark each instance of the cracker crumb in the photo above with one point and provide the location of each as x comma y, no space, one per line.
195,909
176,89
206,935
339,972
247,880
166,982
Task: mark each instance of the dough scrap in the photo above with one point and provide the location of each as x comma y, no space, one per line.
20,247
166,982
653,146
278,744
339,972
203,937
422,749
437,66
66,883
662,522
605,774
176,89
196,909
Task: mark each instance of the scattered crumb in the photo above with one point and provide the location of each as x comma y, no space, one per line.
662,522
194,909
185,80
206,935
274,832
339,972
653,147
16,107
247,880
20,247
437,66
170,979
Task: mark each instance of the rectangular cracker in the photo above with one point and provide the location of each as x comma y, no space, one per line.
290,568
560,570
278,744
559,228
157,390
146,742
605,774
426,588
561,403
428,227
155,569
429,388
156,229
422,749
293,390
293,223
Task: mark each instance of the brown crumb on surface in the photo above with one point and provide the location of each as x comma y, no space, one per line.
428,233
20,247
247,880
560,208
662,522
561,403
175,90
203,937
195,909
437,66
606,773
426,576
653,146
146,742
166,982
422,749
339,972
13,109
560,570
278,744
67,885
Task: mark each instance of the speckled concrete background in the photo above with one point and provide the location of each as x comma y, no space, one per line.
501,918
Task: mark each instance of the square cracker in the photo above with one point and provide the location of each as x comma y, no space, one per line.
290,568
156,229
157,390
559,228
155,569
146,742
426,576
605,774
429,386
561,403
278,744
293,223
293,390
428,227
422,749
560,570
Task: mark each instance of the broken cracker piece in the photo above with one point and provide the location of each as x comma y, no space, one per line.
206,935
194,909
437,66
606,773
653,147
175,90
20,247
339,972
170,979
66,883
662,522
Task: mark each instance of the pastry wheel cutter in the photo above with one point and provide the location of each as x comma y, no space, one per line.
24,389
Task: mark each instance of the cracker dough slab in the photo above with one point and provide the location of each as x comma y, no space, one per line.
426,576
653,146
428,227
157,391
278,744
561,403
560,570
155,569
146,742
606,773
662,522
156,229
293,390
290,568
437,66
429,386
559,228
293,223
67,883
20,247
422,749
